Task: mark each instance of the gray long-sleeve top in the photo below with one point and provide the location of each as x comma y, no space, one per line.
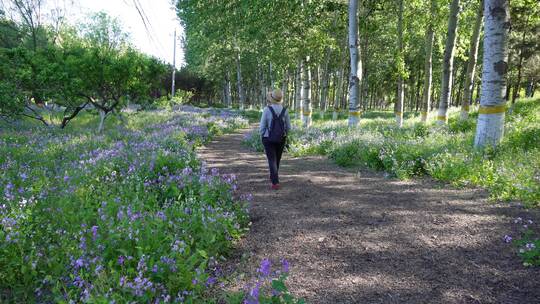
266,119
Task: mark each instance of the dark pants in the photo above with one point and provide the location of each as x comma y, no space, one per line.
273,154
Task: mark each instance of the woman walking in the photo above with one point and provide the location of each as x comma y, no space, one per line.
275,124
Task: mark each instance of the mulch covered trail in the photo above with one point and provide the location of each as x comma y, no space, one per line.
358,237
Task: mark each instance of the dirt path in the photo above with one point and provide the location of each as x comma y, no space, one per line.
357,237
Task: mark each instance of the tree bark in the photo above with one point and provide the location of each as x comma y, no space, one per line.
241,96
428,65
102,116
285,88
228,97
298,88
355,65
398,106
531,88
271,75
306,94
325,84
471,65
515,93
490,126
448,63
75,112
262,87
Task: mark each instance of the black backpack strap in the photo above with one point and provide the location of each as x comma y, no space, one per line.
274,115
283,112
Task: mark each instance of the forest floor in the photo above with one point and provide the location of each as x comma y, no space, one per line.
356,236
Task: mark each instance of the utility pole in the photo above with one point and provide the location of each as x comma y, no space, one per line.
174,66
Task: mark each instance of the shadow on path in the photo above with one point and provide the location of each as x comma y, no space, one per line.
357,237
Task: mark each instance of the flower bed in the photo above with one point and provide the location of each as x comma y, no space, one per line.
127,216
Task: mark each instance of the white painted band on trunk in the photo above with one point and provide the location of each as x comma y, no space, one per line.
489,130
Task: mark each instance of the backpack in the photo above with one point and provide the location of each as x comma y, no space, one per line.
276,132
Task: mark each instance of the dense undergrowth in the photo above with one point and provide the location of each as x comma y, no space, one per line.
130,215
510,172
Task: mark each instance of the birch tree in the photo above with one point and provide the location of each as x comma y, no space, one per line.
241,96
448,63
471,65
228,96
306,94
490,126
354,82
298,90
398,107
337,98
428,65
325,85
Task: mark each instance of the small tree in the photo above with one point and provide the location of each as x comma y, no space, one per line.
107,66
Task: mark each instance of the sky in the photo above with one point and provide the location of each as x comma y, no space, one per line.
162,21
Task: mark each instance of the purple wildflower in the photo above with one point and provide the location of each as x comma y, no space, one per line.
94,232
211,281
264,269
161,215
78,282
253,295
507,239
79,263
284,265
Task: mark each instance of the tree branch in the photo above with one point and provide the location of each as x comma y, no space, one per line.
67,119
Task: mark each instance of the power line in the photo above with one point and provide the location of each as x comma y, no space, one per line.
150,31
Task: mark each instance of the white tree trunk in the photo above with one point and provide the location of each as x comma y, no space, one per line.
306,94
354,81
448,63
298,91
271,75
325,87
102,116
228,96
471,65
285,88
241,95
489,130
428,68
339,93
398,107
262,88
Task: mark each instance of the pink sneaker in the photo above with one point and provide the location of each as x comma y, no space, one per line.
275,187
